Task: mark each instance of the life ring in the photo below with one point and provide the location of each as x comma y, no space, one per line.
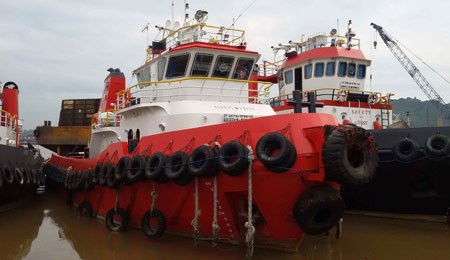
161,223
117,225
318,209
85,209
121,169
136,169
405,150
437,147
274,149
203,162
176,168
111,180
373,98
8,174
233,158
154,167
342,95
349,155
88,180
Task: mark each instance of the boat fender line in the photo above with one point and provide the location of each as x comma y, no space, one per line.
106,167
197,212
136,169
111,180
233,158
215,224
405,150
349,155
88,180
122,167
437,147
8,174
114,225
161,223
203,162
85,209
250,235
276,152
176,168
318,209
154,167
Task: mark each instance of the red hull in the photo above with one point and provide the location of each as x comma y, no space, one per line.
273,194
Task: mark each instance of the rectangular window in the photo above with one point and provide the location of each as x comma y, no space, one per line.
308,71
161,66
318,69
351,69
331,68
177,65
202,64
342,69
361,71
144,75
223,66
288,77
243,68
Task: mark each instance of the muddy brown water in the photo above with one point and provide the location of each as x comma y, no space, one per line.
47,228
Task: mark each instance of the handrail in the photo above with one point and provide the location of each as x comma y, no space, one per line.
7,119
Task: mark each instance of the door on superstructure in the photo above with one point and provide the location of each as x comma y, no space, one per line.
298,78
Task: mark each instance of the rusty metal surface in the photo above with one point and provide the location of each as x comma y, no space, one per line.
63,135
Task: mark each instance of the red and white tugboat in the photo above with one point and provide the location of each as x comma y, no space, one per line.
412,176
195,149
20,167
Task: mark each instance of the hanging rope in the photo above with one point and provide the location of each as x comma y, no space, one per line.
249,238
116,205
215,225
197,212
154,194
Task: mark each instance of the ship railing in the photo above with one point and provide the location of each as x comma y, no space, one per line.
106,119
196,89
339,95
8,120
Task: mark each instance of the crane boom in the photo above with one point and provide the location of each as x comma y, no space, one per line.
409,66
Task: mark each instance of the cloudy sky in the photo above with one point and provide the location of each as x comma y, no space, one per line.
61,49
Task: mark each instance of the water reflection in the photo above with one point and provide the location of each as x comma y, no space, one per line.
50,229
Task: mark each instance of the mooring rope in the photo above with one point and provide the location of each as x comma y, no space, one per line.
215,225
249,238
197,212
154,194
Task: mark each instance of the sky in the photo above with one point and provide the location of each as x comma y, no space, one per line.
61,49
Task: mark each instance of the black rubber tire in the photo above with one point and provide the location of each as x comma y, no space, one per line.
405,150
106,167
109,219
88,180
154,167
349,156
136,169
273,149
121,169
8,174
111,180
159,230
287,163
203,162
18,175
27,175
176,168
85,209
437,147
96,173
80,181
318,209
233,158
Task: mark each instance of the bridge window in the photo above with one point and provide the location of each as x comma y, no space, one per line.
177,66
288,77
331,68
243,68
144,75
342,69
308,71
202,64
161,66
361,71
223,66
351,69
318,70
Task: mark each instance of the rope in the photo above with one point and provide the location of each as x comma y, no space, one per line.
116,205
249,238
215,225
154,194
197,212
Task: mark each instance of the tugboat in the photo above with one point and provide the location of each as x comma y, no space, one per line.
20,167
412,174
195,149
